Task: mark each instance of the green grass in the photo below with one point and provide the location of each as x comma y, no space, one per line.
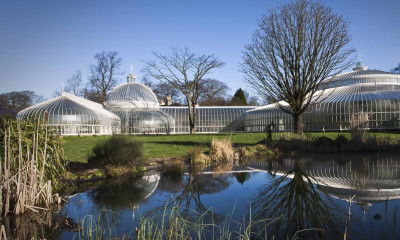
78,149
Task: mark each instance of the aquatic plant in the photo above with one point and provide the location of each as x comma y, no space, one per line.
173,169
17,137
196,155
26,167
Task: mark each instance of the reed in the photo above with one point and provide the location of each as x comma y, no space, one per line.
24,164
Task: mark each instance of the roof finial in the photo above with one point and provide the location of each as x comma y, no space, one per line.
131,77
360,65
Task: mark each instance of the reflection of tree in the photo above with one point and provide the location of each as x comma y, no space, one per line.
171,183
241,177
116,195
197,184
294,199
192,186
40,225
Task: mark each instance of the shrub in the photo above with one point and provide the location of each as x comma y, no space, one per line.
324,144
242,154
221,151
341,142
196,155
173,169
263,151
120,150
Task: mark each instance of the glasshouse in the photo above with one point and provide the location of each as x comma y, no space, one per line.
138,108
209,119
362,98
72,115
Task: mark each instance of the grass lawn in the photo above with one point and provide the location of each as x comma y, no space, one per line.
78,149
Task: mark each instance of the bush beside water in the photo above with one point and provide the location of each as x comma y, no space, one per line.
119,150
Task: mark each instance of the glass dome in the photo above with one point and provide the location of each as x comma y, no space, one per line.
143,121
366,98
72,115
132,94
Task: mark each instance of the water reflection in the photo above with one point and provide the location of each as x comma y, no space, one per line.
304,193
196,183
119,194
294,194
295,204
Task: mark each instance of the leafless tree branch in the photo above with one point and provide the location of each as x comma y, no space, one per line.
295,49
184,71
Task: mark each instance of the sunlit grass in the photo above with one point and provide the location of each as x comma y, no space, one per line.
78,149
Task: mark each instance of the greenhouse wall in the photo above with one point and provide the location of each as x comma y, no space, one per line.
209,119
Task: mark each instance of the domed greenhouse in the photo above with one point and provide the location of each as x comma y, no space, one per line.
138,108
72,115
368,99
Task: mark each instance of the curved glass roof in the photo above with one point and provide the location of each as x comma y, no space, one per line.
362,74
132,94
356,86
69,109
139,120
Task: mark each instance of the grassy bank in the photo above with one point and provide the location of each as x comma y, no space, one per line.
78,149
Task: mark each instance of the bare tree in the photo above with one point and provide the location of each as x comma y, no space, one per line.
73,85
16,101
103,75
396,69
253,101
162,89
212,92
296,47
184,71
147,81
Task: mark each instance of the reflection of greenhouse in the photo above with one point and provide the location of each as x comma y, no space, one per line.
368,98
375,182
72,115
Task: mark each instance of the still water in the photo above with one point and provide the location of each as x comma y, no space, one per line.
293,193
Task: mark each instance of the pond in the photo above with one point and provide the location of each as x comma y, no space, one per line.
286,196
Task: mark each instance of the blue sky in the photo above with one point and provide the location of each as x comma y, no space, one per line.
42,43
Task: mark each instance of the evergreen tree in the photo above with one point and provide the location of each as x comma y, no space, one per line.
239,99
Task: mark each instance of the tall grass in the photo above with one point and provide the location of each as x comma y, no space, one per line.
221,151
101,227
31,135
29,165
168,222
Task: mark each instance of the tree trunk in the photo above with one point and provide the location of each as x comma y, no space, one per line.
298,123
192,118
